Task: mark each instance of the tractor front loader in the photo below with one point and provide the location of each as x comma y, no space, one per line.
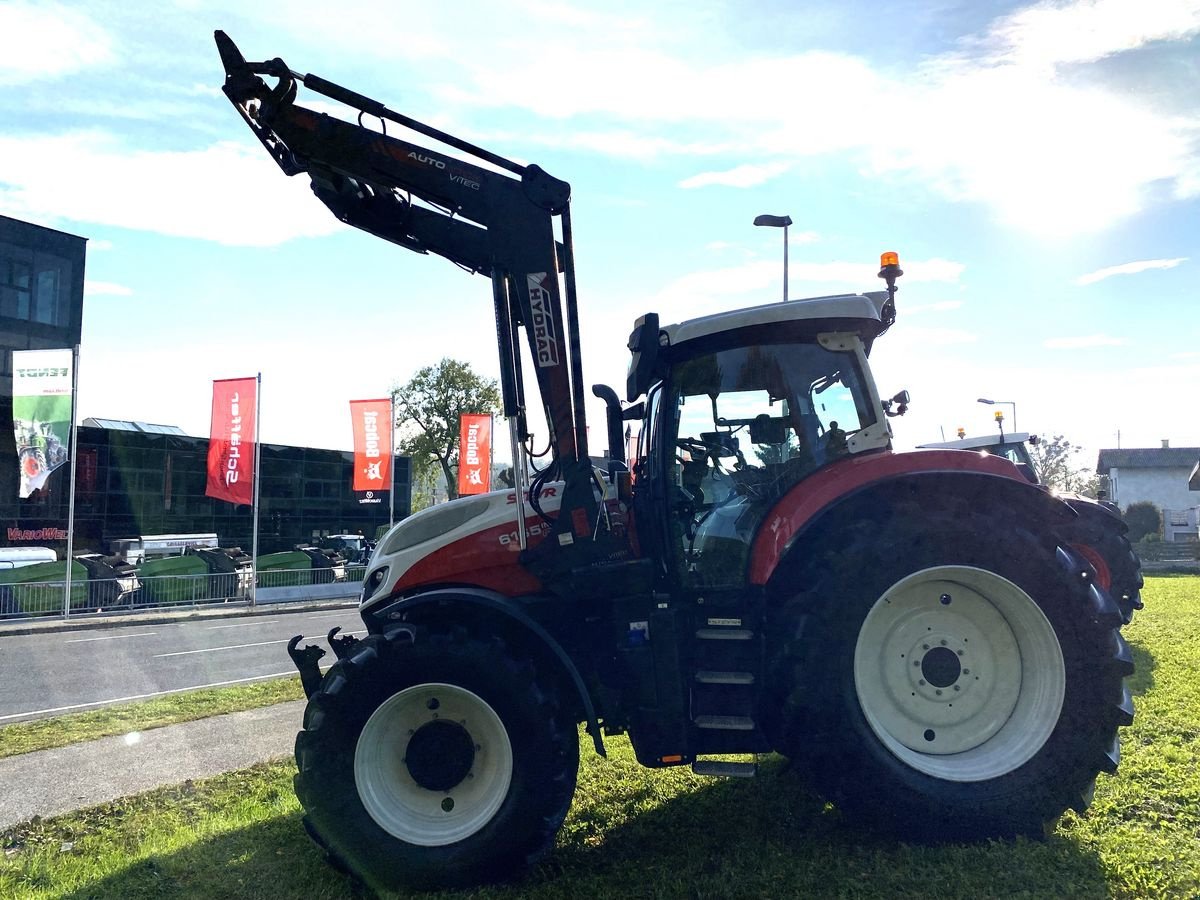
914,630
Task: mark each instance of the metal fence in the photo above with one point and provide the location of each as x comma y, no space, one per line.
134,594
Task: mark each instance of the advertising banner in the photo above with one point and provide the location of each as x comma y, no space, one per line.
231,440
41,413
475,454
372,444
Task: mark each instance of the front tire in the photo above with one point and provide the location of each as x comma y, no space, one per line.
965,683
433,759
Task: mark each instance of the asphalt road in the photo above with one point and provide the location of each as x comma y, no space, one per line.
50,674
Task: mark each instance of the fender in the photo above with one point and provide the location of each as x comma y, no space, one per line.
385,617
813,498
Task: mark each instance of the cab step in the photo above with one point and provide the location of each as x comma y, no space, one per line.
707,676
724,634
725,723
725,769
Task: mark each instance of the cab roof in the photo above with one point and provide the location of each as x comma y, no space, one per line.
858,312
975,443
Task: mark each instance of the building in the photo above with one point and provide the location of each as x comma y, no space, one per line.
41,308
1160,476
133,478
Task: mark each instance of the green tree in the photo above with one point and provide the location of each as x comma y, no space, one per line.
1056,463
1143,519
428,408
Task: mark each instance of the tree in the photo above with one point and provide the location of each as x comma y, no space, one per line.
428,408
1055,463
1143,519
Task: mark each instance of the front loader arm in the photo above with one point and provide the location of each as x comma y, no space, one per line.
499,223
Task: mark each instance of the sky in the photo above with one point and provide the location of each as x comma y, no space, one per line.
1037,167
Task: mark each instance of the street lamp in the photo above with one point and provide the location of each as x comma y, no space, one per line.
778,222
1006,403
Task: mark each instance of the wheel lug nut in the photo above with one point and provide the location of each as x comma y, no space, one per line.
938,692
957,688
924,646
943,643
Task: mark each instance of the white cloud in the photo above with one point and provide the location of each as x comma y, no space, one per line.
1129,268
752,279
1001,120
919,336
803,237
941,306
227,192
1050,34
97,288
97,244
1082,341
48,40
743,176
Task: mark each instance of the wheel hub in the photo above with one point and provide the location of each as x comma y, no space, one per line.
440,755
940,667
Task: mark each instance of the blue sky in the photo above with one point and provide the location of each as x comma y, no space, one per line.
1036,166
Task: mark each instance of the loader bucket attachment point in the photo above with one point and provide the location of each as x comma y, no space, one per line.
306,660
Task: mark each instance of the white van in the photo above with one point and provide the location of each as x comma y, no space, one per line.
16,557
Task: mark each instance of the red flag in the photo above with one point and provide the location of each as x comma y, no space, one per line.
231,440
372,444
475,454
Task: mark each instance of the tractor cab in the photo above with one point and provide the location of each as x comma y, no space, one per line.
747,405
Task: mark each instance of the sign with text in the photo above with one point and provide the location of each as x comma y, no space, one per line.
372,444
41,413
231,440
475,454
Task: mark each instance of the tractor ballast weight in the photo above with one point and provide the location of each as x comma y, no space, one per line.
923,634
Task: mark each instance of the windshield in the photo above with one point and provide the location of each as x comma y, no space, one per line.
750,423
774,412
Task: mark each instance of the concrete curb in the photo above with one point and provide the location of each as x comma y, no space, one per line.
58,781
162,617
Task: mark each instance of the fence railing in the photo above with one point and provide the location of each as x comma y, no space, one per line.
44,599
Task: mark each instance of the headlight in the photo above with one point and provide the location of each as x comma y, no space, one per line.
431,523
373,581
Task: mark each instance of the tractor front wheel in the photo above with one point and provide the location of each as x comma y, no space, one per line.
433,759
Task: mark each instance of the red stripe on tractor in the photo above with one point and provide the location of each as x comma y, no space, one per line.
488,559
814,494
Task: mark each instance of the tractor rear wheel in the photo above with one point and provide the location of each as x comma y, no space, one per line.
1100,539
433,759
966,683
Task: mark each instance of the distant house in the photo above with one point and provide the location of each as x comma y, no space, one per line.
1161,475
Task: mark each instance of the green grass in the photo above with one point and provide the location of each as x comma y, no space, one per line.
636,832
43,734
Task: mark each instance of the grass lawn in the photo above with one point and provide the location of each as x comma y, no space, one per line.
636,832
43,734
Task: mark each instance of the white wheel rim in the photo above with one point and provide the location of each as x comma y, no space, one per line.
959,673
392,796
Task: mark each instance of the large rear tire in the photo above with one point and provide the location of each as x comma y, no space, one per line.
433,759
1099,537
955,679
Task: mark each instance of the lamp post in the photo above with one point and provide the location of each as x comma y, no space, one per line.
778,222
1005,403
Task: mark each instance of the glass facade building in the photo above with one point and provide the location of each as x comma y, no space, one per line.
134,479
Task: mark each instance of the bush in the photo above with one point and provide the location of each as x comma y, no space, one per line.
1143,519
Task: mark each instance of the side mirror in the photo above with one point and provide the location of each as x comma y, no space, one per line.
901,400
643,345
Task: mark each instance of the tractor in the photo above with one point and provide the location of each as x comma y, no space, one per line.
918,633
